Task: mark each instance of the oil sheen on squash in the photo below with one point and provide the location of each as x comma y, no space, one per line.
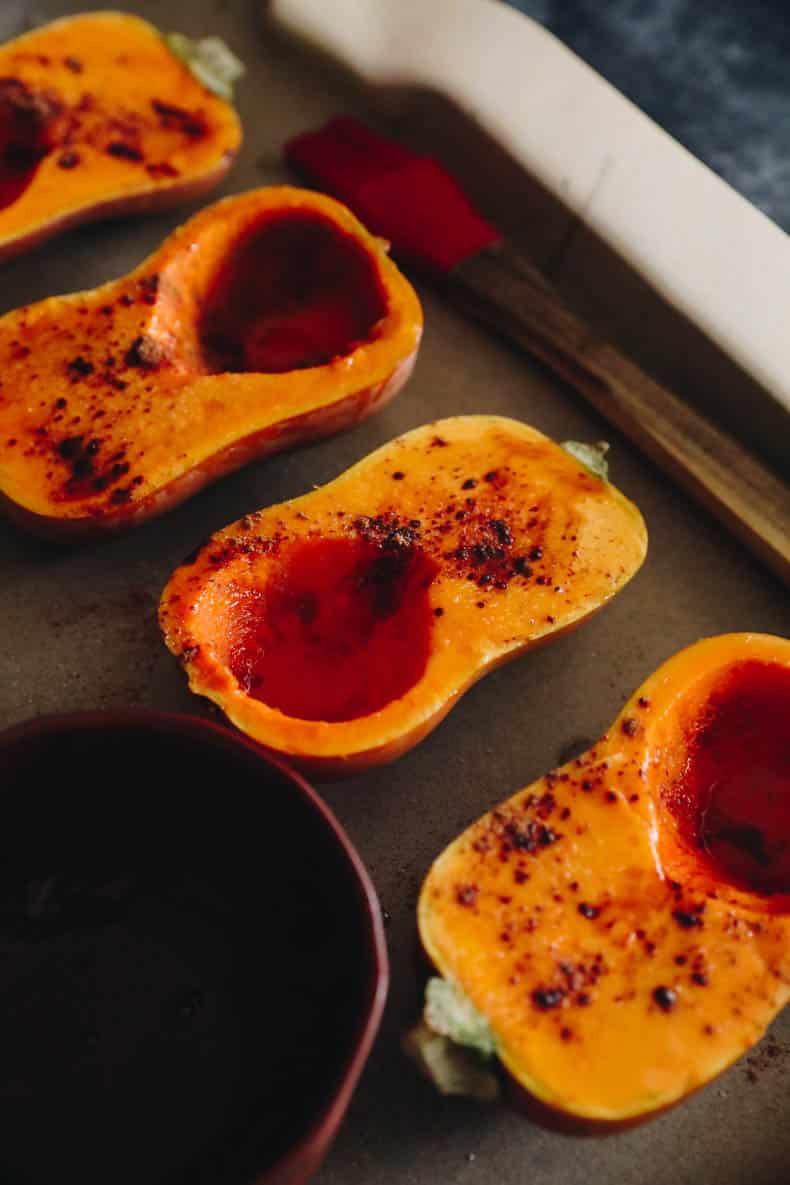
341,630
295,292
732,802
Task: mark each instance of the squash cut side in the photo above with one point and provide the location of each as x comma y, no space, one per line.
99,118
269,319
624,923
341,627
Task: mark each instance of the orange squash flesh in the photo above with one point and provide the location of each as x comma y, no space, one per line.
98,117
341,627
268,319
624,923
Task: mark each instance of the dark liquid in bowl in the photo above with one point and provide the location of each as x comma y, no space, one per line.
183,962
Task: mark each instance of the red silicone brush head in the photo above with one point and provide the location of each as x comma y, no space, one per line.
408,199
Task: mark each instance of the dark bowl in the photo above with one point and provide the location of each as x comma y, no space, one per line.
192,960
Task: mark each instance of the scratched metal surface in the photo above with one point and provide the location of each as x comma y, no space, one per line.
79,631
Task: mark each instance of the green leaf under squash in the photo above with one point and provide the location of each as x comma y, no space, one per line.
209,59
591,456
451,1013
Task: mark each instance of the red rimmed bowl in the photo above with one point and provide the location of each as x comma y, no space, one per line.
192,959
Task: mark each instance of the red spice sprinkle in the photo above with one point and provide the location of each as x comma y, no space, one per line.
665,997
73,64
611,796
643,702
438,612
566,1033
685,919
469,484
587,784
588,911
143,353
79,368
150,287
583,999
466,894
699,978
161,168
546,998
630,726
177,119
124,151
69,160
398,475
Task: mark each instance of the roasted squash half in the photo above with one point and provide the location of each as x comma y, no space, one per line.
623,924
341,627
268,319
98,117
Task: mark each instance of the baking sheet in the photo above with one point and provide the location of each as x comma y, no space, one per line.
79,631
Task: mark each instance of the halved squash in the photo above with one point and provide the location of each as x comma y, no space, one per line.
340,628
623,924
268,319
97,118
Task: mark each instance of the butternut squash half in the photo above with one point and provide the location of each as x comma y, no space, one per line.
98,117
341,627
623,924
269,319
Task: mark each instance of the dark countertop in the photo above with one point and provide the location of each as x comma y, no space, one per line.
713,73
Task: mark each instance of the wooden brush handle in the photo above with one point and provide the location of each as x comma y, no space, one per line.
502,288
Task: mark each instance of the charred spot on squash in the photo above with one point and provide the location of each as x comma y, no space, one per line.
295,291
731,798
341,628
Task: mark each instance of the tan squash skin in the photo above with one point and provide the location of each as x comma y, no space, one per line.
468,483
509,919
110,150
110,410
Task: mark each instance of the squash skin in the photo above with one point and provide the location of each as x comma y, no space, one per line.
112,152
604,1052
121,370
540,498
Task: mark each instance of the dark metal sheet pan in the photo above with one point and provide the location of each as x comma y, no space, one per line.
79,631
